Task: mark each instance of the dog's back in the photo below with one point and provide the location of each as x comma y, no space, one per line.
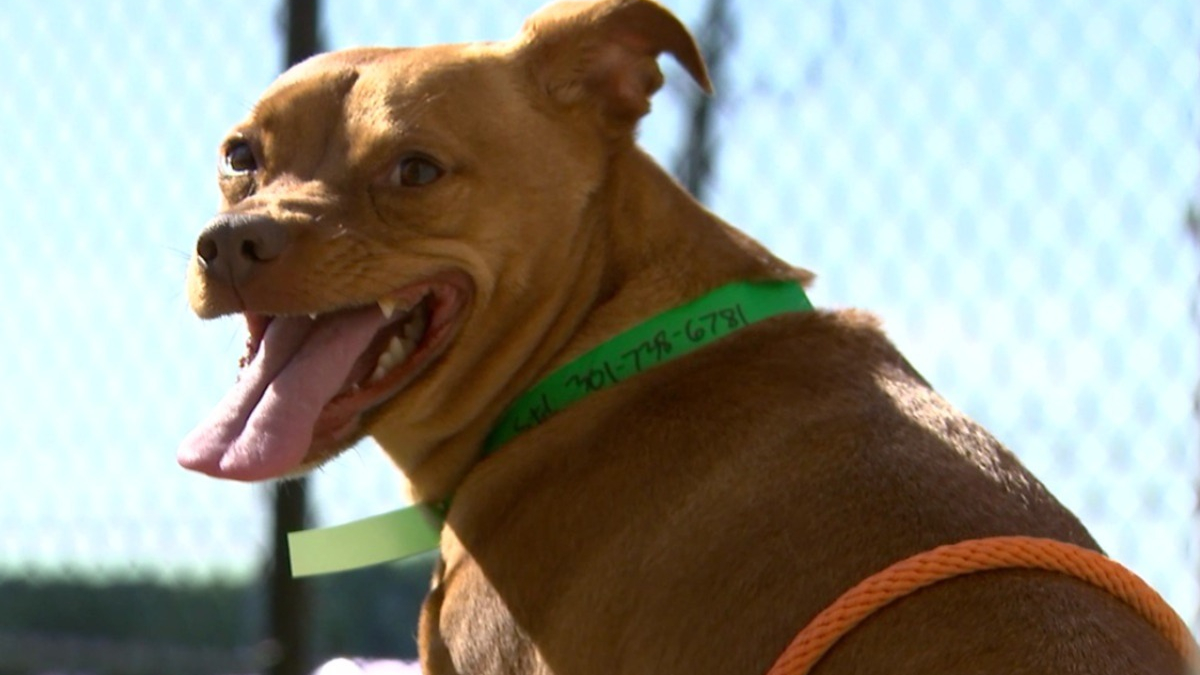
785,464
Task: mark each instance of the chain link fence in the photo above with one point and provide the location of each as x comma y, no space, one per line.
1006,184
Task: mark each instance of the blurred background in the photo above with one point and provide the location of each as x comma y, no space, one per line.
1011,186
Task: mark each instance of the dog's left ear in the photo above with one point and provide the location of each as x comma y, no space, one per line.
605,53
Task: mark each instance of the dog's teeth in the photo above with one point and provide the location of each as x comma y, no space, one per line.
387,361
397,350
313,316
388,307
376,376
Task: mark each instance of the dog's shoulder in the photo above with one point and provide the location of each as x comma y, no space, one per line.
824,404
822,357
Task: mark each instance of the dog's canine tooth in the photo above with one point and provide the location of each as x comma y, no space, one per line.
388,307
312,315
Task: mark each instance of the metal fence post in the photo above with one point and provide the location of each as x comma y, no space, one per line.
289,614
1192,222
694,167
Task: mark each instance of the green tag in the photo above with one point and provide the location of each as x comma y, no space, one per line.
377,539
409,531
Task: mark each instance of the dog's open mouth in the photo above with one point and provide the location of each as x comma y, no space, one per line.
306,382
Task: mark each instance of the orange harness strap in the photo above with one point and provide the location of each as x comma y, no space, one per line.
977,555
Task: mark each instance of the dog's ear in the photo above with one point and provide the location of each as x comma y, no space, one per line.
606,53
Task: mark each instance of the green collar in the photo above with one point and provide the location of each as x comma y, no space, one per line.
675,332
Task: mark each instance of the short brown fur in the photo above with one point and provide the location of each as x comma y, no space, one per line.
691,519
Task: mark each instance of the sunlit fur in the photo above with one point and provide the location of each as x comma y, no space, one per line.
693,518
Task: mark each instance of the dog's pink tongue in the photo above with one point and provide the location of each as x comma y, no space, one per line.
264,426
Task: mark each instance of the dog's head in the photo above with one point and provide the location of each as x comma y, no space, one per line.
397,227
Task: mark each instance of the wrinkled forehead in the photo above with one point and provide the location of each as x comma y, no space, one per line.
376,81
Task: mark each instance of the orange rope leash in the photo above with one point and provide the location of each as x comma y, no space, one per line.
976,555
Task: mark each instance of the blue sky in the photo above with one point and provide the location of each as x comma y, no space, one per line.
1003,183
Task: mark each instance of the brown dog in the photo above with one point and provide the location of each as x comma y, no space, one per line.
417,236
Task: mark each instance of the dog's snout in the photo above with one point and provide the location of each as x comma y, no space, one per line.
233,245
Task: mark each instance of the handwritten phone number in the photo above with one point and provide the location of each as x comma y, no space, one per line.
657,348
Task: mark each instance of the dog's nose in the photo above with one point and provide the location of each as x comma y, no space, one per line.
233,245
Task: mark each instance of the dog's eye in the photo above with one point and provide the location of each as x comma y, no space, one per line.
239,158
414,171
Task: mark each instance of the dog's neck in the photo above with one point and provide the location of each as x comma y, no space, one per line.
646,246
662,249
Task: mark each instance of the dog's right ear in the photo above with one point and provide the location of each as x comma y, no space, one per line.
604,54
